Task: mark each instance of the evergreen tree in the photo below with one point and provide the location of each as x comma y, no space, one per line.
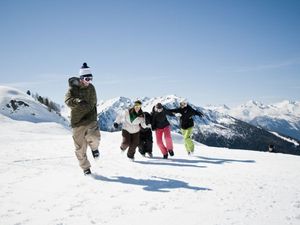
46,102
40,99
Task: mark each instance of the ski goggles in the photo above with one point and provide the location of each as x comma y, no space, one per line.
87,79
137,105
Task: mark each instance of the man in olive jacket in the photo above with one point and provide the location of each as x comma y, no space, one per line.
82,99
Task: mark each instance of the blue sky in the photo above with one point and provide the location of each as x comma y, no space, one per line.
211,52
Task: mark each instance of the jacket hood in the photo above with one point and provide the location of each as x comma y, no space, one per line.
74,82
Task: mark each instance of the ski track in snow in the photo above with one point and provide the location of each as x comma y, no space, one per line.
41,183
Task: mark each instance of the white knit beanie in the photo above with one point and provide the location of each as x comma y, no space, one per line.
85,71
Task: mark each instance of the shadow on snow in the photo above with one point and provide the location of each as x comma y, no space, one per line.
158,184
221,161
191,162
171,162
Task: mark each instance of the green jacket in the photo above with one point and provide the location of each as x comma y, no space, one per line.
83,103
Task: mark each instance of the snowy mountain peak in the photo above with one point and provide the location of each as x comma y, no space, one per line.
118,102
17,105
253,103
219,108
288,107
282,117
8,92
288,102
109,109
216,129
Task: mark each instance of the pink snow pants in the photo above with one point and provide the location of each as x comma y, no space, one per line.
166,132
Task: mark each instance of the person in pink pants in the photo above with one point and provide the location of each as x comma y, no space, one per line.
161,126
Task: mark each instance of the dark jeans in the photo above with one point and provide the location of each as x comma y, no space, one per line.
145,147
131,141
146,141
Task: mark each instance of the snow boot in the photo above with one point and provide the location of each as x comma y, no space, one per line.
87,172
191,153
171,152
95,153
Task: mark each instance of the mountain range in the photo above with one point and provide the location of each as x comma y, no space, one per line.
218,128
215,129
282,117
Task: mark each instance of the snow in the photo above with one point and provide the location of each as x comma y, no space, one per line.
286,139
289,110
20,106
282,117
41,183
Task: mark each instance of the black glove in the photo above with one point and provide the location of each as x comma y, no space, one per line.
83,103
80,102
116,125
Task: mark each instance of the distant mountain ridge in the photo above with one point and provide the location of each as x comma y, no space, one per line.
216,129
282,117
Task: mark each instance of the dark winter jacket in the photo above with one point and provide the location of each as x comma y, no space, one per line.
159,119
82,100
146,139
187,113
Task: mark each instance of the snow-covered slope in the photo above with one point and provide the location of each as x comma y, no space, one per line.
215,129
20,106
41,183
282,117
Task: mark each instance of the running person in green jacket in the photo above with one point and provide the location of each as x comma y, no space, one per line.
82,99
187,123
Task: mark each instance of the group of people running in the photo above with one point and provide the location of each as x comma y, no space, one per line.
137,126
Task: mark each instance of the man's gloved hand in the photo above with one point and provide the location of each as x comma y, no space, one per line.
116,125
80,102
83,103
76,101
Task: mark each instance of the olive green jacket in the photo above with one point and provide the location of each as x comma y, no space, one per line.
83,103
